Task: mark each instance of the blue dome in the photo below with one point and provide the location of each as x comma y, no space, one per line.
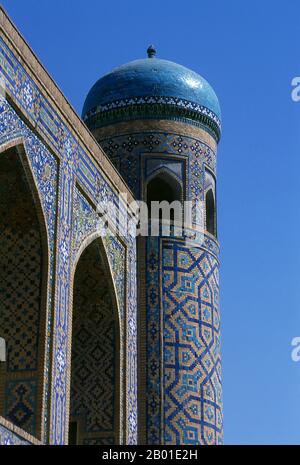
153,82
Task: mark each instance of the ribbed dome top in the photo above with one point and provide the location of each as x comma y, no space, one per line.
157,82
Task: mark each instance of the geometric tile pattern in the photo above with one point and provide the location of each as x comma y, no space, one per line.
191,328
20,290
93,370
184,391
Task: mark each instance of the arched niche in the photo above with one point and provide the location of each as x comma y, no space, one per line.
23,294
164,186
95,355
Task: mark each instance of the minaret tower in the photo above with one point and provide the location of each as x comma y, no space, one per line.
159,123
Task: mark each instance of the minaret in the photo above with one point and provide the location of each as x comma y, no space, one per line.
159,123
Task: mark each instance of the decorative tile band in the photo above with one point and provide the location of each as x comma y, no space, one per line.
183,367
153,106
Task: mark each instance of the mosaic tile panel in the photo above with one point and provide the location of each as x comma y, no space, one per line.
125,152
169,280
132,349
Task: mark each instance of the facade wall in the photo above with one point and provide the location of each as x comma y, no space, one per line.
71,175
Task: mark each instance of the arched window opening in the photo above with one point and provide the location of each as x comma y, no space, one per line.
23,264
94,403
210,212
159,189
164,187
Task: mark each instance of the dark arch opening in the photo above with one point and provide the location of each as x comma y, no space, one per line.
95,392
210,212
23,290
163,187
159,189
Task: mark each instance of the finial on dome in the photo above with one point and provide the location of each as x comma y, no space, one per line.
151,51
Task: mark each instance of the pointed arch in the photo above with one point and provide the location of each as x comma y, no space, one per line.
162,186
24,277
95,409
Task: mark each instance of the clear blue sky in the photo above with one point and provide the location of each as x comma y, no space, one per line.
249,51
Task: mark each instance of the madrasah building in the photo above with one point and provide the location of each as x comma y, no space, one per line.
107,338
